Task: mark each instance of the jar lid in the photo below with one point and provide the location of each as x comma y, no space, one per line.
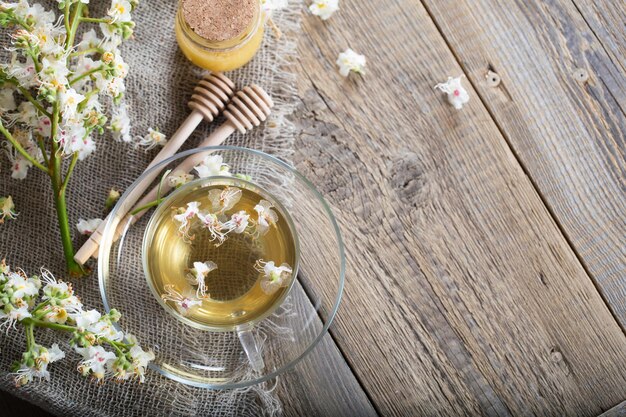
219,20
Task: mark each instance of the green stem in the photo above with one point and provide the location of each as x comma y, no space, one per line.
35,103
55,326
87,74
30,336
40,306
42,147
95,20
69,171
35,60
66,17
146,207
73,267
20,149
69,42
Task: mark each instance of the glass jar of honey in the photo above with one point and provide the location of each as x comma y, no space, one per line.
219,35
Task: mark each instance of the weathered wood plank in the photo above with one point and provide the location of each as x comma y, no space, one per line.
617,411
462,297
607,20
570,135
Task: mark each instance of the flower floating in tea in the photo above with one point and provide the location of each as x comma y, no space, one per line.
184,218
198,274
274,277
238,222
184,302
224,200
267,216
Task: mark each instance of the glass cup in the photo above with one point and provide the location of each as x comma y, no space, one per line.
243,352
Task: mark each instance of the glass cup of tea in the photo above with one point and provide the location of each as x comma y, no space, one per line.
232,275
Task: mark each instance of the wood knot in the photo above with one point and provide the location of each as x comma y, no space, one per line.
409,179
581,75
493,79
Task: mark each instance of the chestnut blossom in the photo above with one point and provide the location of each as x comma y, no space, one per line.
87,227
179,178
324,8
153,139
185,303
267,217
224,199
274,277
40,358
184,216
238,222
270,6
7,209
457,95
198,274
120,124
349,61
212,165
214,226
14,315
96,361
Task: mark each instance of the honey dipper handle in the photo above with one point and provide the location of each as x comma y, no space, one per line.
214,139
170,148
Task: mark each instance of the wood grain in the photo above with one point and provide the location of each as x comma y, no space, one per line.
463,297
569,135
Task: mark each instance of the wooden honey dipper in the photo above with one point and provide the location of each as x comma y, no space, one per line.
210,97
246,110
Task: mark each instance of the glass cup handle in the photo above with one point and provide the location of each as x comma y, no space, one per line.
250,346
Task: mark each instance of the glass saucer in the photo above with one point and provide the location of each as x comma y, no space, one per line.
216,359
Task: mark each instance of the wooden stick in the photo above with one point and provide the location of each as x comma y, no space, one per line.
209,99
247,109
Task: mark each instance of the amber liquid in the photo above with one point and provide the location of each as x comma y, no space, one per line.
236,297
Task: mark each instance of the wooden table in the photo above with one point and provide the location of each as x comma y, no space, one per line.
486,247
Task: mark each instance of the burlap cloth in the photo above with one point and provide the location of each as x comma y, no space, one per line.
159,86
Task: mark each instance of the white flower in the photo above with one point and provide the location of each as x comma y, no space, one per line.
96,360
457,95
141,359
184,217
153,139
274,276
55,315
84,319
213,165
197,276
19,164
238,222
89,40
44,126
179,178
7,100
87,227
7,209
27,114
104,328
213,225
14,315
54,72
120,11
351,61
267,216
24,72
120,124
70,100
185,303
324,8
23,286
224,200
42,357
